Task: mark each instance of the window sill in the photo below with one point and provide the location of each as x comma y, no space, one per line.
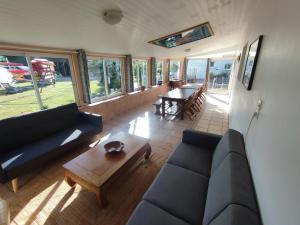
106,99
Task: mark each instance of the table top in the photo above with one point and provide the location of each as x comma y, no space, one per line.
178,93
96,166
192,86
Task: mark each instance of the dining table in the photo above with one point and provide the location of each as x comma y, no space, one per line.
196,86
178,95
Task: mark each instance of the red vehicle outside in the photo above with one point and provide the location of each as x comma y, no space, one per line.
44,70
18,70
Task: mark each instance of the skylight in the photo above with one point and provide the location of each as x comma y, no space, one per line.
185,36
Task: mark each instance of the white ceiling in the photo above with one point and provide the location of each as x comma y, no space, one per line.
78,24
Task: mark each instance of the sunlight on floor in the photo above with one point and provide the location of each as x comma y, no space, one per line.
140,126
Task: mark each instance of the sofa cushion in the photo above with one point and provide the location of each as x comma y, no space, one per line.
29,156
180,192
193,158
232,141
236,215
149,214
231,183
14,132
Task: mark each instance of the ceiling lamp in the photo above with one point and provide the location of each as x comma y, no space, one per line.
113,16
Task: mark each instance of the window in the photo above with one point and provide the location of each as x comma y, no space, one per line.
105,77
159,72
29,83
140,73
174,70
219,74
196,70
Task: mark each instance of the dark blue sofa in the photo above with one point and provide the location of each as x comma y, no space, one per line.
205,181
29,141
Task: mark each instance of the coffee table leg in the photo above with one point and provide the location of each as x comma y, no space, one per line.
148,151
101,197
70,181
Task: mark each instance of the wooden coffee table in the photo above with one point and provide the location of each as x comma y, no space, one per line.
95,170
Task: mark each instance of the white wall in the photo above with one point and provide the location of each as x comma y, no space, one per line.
273,143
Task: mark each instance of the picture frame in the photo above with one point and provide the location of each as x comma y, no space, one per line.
242,62
251,62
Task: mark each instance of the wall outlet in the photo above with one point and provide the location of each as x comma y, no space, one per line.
258,108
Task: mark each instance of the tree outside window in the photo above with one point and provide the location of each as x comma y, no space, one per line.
105,77
159,72
140,73
174,70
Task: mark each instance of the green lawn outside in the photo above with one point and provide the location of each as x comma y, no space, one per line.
97,89
25,102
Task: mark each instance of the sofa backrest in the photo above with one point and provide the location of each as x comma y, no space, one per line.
232,141
25,129
231,198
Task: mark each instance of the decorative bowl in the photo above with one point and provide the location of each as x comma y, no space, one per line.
114,147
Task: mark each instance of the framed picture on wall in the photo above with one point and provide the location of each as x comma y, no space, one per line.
251,62
242,61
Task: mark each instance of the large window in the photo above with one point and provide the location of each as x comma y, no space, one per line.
174,70
140,73
196,70
29,83
159,71
105,77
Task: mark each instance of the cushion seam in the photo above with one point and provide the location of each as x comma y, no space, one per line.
201,175
163,209
222,210
183,167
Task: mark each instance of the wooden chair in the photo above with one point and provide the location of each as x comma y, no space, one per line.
190,107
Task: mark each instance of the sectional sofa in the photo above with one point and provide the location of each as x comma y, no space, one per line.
206,181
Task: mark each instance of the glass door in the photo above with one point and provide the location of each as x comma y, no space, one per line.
219,75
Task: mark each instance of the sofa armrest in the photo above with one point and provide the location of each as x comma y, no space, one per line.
92,118
201,139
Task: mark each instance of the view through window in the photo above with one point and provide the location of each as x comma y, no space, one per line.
159,72
32,83
174,70
140,73
219,75
196,70
105,77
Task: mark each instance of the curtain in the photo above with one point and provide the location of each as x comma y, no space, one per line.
153,71
82,60
167,72
129,74
184,70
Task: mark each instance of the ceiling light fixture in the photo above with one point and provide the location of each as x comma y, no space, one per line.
112,16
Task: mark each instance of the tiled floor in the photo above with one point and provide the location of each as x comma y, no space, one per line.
44,198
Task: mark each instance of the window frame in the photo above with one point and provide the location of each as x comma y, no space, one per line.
106,97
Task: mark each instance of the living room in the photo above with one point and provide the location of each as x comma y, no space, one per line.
138,112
